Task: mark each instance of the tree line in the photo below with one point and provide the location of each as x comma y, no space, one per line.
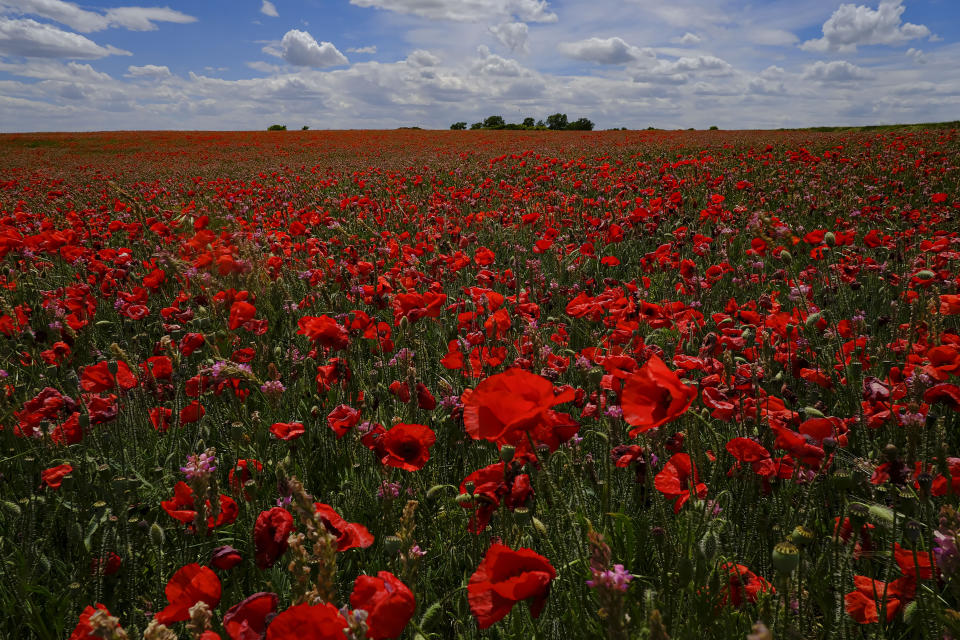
554,122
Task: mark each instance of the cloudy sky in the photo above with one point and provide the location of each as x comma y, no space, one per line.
245,64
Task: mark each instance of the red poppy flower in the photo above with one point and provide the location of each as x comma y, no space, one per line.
270,535
247,620
654,396
506,577
241,474
506,406
676,478
744,586
83,630
287,430
948,394
864,602
241,313
182,507
192,413
225,558
308,622
97,377
160,418
191,342
188,586
492,484
54,476
342,419
389,603
350,535
324,331
407,446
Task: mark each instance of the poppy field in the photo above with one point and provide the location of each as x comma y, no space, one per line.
493,384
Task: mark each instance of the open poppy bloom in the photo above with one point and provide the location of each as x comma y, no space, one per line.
677,478
744,586
507,406
388,602
247,620
406,446
53,477
350,535
308,622
287,430
653,396
183,508
324,331
270,534
863,604
188,586
506,577
492,484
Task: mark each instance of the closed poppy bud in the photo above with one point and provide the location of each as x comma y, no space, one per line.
830,239
786,256
156,534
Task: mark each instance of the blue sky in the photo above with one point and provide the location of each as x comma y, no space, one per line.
245,64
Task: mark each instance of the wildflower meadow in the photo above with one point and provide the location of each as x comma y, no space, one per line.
318,385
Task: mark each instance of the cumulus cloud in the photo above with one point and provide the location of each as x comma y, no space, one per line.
853,25
916,55
84,21
421,58
603,50
371,49
689,39
151,71
32,39
269,9
512,35
467,10
834,71
491,64
300,49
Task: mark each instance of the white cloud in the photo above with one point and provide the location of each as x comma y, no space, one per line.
467,10
72,15
834,71
269,9
916,55
491,64
32,39
152,71
852,25
603,50
421,58
263,67
300,49
371,49
55,70
688,39
512,35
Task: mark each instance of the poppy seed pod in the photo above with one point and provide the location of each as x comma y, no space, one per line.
802,536
786,557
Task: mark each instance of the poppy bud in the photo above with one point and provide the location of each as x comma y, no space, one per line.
435,490
539,526
812,412
156,535
925,275
786,256
830,239
786,557
813,319
464,499
709,545
404,323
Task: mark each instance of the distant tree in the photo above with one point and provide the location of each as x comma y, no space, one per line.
557,121
714,128
277,127
494,122
476,125
541,125
529,122
458,126
580,125
304,128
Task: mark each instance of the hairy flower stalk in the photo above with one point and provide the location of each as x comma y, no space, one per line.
314,549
